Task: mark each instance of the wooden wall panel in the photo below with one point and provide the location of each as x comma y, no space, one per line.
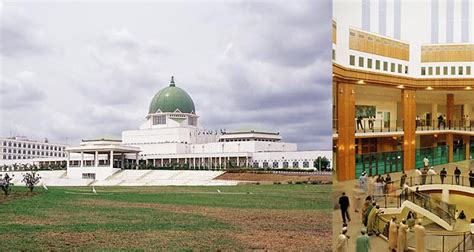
447,53
373,44
346,127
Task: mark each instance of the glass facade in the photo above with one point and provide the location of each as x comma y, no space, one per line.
436,155
379,163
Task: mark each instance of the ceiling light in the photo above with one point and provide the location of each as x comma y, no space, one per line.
468,88
429,88
400,86
361,82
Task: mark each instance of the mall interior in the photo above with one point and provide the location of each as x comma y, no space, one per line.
403,94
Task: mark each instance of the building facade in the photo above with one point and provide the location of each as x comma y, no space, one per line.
402,87
19,148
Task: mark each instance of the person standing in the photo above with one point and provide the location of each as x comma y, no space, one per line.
343,241
403,178
426,162
457,174
363,181
419,237
357,194
442,174
402,236
344,205
424,174
359,123
392,234
440,121
431,173
362,242
417,176
471,178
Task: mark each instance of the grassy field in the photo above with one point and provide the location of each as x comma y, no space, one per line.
168,218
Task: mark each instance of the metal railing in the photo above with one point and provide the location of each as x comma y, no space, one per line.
367,125
434,240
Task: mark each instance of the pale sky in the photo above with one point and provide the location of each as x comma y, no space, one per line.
77,70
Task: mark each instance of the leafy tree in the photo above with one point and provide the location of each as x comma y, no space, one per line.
6,184
31,180
322,164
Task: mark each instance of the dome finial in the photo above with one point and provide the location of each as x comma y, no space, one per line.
172,82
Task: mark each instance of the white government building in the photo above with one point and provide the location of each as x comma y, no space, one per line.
171,137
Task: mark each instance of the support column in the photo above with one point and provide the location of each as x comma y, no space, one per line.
238,163
467,143
409,126
82,159
194,162
346,129
136,161
123,161
449,110
434,115
450,142
359,146
445,195
111,159
220,163
96,159
68,159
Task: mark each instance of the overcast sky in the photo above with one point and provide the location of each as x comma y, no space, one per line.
71,71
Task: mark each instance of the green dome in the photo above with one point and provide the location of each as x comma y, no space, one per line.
170,99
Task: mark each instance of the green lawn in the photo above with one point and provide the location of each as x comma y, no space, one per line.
171,218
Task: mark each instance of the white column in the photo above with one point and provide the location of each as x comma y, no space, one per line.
96,158
82,159
136,161
445,195
238,163
246,161
123,161
68,159
220,162
434,113
111,159
194,162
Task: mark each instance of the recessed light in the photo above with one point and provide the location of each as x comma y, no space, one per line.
400,86
429,88
361,82
468,88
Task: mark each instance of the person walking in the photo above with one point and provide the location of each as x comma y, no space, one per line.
402,236
457,174
442,174
392,234
362,242
471,178
420,234
343,241
344,205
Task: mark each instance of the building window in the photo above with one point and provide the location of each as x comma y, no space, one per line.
406,69
399,68
445,70
392,67
430,70
438,70
296,164
159,119
468,70
305,164
275,164
192,121
423,71
369,63
285,164
453,70
361,62
265,164
460,70
377,64
385,66
88,176
333,54
352,60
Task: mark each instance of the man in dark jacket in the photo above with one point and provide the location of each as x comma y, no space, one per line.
344,205
442,174
457,174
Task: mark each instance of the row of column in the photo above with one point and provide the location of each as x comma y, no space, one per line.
196,161
96,159
345,102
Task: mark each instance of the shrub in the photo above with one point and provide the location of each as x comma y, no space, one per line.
31,180
6,184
